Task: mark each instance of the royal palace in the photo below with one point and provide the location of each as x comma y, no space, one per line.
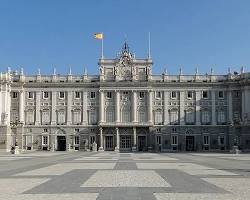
125,108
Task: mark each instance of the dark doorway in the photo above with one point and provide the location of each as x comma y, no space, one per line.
109,143
189,143
61,143
142,143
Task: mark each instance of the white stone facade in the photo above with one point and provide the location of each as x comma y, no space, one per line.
125,108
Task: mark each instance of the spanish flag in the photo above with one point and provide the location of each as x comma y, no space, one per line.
99,36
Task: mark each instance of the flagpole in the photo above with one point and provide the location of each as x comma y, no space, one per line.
102,48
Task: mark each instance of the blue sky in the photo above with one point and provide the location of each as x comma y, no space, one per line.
45,33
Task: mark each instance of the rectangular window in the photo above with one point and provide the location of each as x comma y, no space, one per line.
30,95
45,130
221,94
92,95
142,117
142,95
45,117
206,140
30,117
173,94
205,117
125,116
60,117
189,117
204,94
92,117
92,139
157,95
158,117
61,95
189,94
221,117
109,116
158,139
14,95
109,95
28,140
44,140
76,117
77,140
221,140
77,95
45,95
174,140
174,117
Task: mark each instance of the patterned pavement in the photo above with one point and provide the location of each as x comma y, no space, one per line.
124,176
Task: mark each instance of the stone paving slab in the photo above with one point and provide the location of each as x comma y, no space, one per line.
18,186
193,196
63,168
125,178
70,196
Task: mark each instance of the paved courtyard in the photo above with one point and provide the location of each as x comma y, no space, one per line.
122,176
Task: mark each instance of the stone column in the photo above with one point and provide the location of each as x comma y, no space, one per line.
117,148
242,105
84,107
1,105
213,107
134,106
182,107
198,107
135,139
166,115
117,107
69,107
101,107
21,106
247,90
150,107
101,141
53,108
230,106
38,108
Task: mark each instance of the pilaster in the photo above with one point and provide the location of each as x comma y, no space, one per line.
150,107
134,106
213,107
117,106
84,107
198,107
166,115
69,107
53,107
21,106
38,108
182,107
